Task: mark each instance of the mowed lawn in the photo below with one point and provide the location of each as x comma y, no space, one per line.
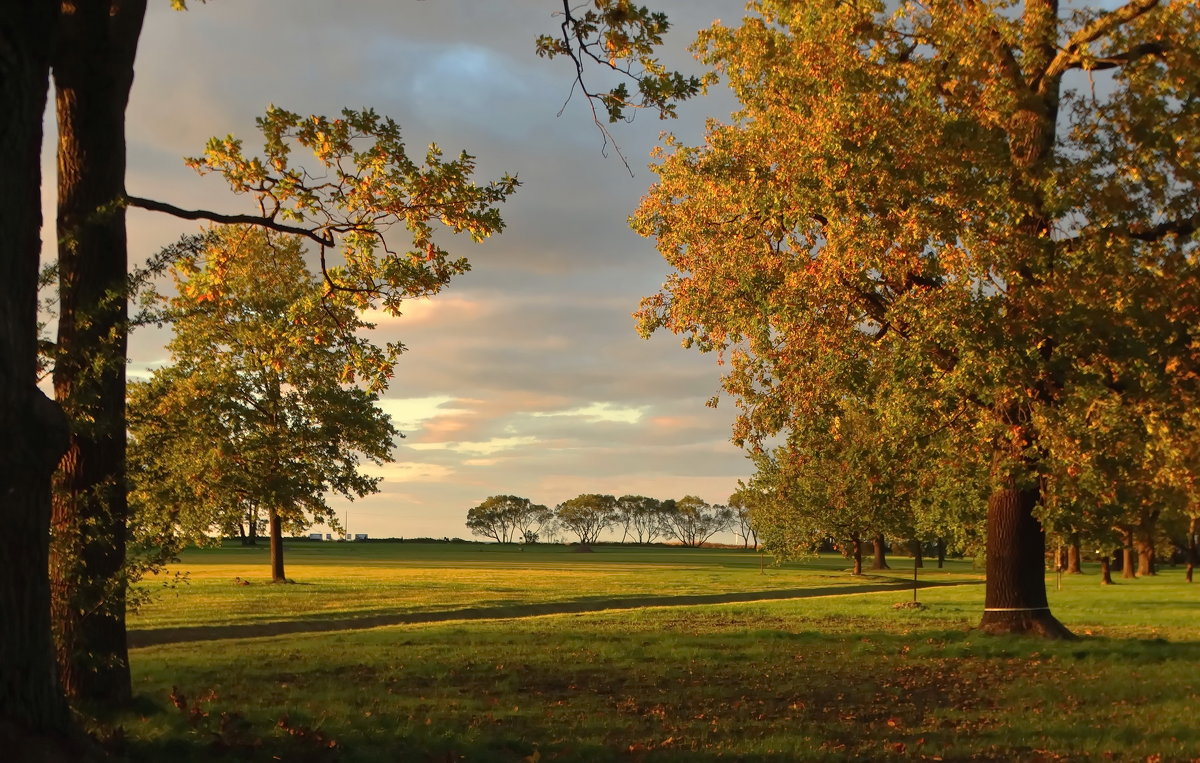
231,585
841,677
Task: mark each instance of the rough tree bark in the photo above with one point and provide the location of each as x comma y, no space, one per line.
1193,548
93,73
251,538
880,554
1073,555
1105,571
1127,568
1015,597
856,546
1144,542
35,432
276,523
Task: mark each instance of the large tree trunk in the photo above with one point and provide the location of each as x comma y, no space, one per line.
252,540
880,560
918,558
1105,572
1144,542
34,430
941,553
1060,559
1193,547
1015,598
276,523
1127,569
93,72
856,549
1073,555
1145,557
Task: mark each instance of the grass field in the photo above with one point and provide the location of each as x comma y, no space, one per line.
230,585
814,677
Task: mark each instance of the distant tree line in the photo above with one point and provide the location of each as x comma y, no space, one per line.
690,521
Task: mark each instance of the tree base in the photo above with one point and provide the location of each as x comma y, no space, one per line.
1030,623
23,746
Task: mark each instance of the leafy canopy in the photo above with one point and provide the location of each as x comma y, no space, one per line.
936,195
257,408
365,186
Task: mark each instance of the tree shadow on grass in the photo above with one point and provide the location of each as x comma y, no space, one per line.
671,688
341,621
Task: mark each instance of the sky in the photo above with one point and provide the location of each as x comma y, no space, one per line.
525,376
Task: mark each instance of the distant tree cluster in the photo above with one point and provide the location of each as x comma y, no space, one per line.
690,521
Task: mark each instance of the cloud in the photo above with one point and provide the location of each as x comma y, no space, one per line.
597,412
410,413
484,448
410,471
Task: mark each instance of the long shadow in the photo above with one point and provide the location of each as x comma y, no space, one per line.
140,638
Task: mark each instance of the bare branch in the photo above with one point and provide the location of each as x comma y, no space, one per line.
1182,227
1121,59
323,238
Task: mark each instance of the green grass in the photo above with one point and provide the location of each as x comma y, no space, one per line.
376,579
835,678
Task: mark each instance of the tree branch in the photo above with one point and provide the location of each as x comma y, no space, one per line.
1182,227
1121,59
321,238
1069,58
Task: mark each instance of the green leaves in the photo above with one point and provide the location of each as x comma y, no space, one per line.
363,187
509,519
259,407
918,218
620,36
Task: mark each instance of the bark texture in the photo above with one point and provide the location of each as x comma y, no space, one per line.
276,523
918,556
1193,547
1073,555
1105,572
35,432
856,547
1144,542
1015,599
1127,568
93,73
880,554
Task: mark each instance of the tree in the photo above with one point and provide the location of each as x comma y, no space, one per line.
260,405
587,516
741,503
928,187
640,517
93,70
508,519
31,701
692,520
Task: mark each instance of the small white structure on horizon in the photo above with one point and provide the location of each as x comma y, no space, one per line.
315,536
360,536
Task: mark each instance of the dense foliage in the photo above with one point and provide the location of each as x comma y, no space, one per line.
257,412
927,214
